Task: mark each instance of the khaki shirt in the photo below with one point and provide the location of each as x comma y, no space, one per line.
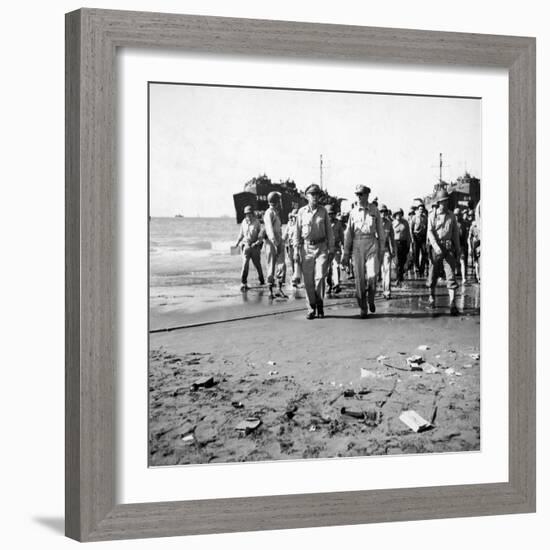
250,231
364,223
273,228
442,229
313,226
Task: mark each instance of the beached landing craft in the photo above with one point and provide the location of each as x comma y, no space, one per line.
256,191
463,193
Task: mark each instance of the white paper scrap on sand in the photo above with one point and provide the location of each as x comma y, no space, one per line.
414,421
365,373
423,347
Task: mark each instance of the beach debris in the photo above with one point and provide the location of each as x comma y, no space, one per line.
203,382
371,417
366,373
468,366
271,363
349,393
428,368
291,411
475,356
451,372
414,421
237,404
248,425
313,428
333,383
188,438
424,347
381,358
273,372
414,362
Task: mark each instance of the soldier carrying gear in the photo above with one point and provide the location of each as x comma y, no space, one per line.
275,249
443,234
313,243
365,238
251,239
419,226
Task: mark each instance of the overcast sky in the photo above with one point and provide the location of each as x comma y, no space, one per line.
206,142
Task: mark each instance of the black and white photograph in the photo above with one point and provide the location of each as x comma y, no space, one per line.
314,274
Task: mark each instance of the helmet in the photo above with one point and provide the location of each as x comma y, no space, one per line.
383,208
441,196
273,197
360,189
313,189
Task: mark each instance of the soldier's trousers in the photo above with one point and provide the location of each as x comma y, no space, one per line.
402,254
294,265
314,269
333,275
276,266
420,257
366,265
251,253
386,273
447,263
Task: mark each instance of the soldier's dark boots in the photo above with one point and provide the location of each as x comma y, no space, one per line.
311,314
453,310
282,292
320,311
271,295
337,289
364,314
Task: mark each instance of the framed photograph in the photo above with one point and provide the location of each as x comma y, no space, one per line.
275,314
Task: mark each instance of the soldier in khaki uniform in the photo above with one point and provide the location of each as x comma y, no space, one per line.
443,236
275,248
365,239
250,237
389,251
313,248
333,276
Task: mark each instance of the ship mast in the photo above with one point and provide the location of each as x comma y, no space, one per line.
321,172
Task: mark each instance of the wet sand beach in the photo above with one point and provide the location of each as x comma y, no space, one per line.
296,377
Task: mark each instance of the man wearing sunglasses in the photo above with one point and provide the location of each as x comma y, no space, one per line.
364,239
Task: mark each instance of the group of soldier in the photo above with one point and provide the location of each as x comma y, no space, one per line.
318,244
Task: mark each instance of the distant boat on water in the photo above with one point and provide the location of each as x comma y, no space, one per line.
179,216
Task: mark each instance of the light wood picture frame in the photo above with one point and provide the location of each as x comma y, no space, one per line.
92,39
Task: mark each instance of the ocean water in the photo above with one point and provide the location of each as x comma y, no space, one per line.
192,251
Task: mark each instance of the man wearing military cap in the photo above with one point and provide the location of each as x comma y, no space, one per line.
388,253
250,237
365,239
313,248
443,235
275,248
